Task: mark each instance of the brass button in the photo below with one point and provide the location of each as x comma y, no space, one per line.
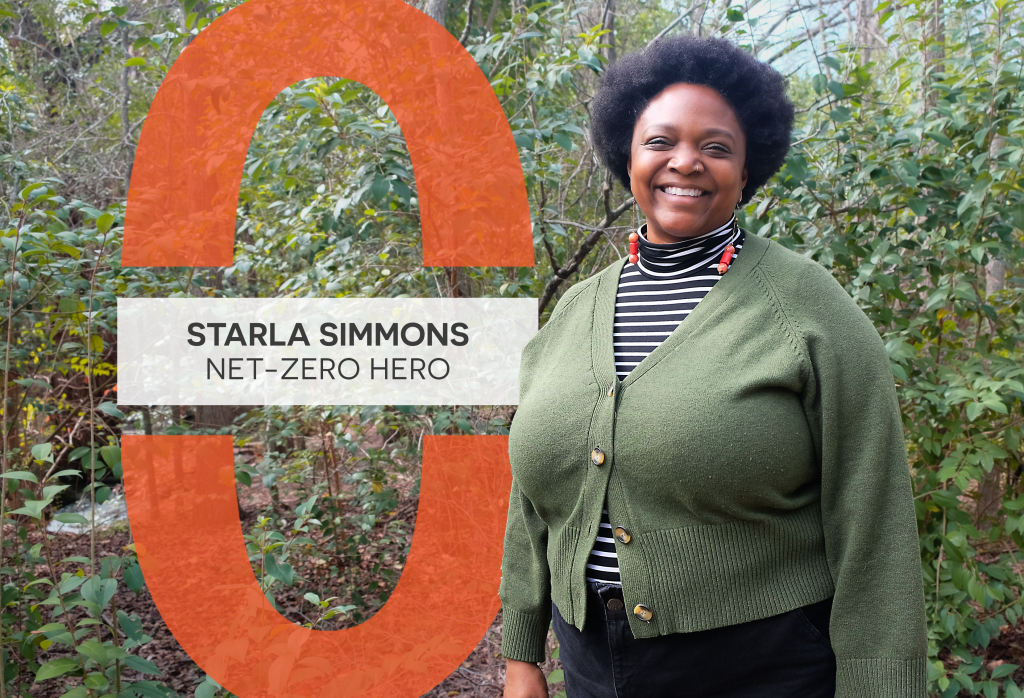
597,456
643,613
622,535
615,605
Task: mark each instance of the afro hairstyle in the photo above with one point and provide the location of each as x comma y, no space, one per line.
754,90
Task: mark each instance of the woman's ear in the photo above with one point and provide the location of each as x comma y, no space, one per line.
629,167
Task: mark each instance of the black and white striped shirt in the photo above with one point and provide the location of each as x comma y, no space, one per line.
654,296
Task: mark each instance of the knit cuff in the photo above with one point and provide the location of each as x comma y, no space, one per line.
882,678
523,635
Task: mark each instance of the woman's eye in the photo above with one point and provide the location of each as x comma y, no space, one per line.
656,141
719,147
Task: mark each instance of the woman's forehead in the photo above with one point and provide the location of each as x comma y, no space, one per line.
689,106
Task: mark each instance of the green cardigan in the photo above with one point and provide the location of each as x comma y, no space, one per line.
755,457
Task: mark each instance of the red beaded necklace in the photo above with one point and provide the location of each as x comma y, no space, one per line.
723,265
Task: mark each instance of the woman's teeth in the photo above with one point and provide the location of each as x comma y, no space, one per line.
676,191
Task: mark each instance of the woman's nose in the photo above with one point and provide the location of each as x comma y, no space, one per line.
685,160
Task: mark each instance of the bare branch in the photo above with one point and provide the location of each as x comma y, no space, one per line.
591,240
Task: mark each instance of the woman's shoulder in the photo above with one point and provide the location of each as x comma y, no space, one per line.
811,297
587,288
799,280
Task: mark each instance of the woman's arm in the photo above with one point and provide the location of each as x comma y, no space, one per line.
878,624
525,582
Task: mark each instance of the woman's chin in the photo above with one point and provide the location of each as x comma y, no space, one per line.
679,227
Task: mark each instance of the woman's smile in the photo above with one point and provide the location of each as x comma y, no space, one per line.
686,196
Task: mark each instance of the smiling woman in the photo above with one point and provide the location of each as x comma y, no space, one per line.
710,486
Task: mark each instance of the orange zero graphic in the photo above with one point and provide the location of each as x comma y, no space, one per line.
181,208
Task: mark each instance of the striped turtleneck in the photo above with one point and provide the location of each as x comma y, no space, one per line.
654,296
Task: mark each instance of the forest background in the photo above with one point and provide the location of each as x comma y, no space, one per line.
903,179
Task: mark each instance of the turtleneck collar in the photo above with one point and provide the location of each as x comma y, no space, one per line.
694,256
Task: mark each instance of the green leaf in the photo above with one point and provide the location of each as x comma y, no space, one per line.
99,591
523,141
839,114
81,559
379,188
974,409
138,60
107,27
70,583
41,452
71,518
50,491
279,570
33,508
76,692
976,589
131,625
21,475
1004,670
133,579
205,690
143,666
104,222
111,455
54,668
556,676
151,689
79,452
96,681
102,494
99,652
111,409
940,138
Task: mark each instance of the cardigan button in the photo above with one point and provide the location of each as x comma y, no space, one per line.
611,390
597,456
622,535
643,613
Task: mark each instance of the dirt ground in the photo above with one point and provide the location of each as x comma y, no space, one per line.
482,674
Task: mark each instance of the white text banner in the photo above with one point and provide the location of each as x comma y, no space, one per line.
325,351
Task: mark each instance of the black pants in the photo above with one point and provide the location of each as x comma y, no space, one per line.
783,656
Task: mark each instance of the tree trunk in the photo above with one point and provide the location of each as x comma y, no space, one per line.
609,24
867,29
934,54
698,19
492,15
990,489
126,98
218,416
437,10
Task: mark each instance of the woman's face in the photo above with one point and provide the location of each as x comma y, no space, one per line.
687,139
